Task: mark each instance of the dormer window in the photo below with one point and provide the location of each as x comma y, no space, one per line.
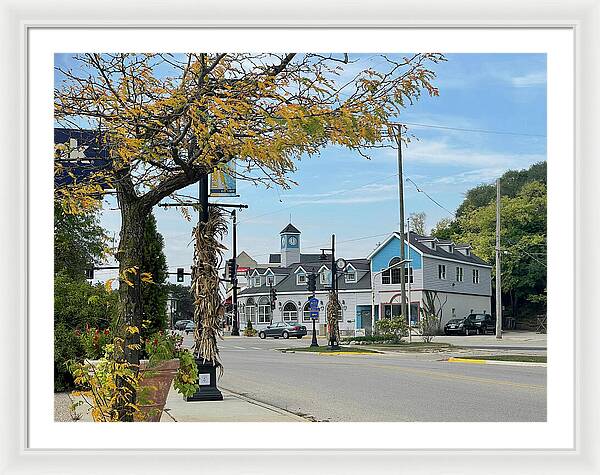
270,280
350,274
300,278
324,275
257,281
464,249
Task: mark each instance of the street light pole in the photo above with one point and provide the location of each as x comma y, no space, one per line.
235,326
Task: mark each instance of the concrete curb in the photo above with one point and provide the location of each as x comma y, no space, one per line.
332,353
265,405
496,362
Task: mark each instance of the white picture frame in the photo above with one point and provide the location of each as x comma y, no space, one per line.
19,17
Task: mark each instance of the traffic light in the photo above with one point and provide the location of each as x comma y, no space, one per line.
89,274
312,282
180,274
273,298
231,269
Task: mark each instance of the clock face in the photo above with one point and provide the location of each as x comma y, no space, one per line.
282,241
292,240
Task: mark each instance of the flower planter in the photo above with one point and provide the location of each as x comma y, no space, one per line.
155,385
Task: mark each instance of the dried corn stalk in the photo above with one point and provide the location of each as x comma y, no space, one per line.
208,308
333,311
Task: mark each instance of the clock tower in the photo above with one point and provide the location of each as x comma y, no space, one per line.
290,245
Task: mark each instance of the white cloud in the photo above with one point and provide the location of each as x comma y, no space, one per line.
441,153
529,80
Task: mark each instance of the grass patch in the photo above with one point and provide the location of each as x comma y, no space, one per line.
519,358
417,346
325,349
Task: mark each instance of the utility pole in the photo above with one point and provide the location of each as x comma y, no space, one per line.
498,267
401,212
409,315
235,326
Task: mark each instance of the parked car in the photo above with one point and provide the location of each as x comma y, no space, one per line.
190,327
479,323
455,325
284,330
180,324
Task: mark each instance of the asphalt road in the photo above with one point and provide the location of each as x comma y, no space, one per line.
386,387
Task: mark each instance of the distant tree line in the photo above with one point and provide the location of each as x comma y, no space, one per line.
523,235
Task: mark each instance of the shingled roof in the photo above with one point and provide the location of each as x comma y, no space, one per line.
290,228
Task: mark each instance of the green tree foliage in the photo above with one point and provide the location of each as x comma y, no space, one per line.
76,304
79,242
155,293
445,228
523,234
510,185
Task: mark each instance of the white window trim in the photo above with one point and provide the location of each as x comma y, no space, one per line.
264,311
475,276
288,315
353,273
256,281
460,274
441,271
298,276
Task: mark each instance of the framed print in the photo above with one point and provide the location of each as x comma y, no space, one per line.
353,340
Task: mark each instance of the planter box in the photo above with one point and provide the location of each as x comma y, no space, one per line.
155,385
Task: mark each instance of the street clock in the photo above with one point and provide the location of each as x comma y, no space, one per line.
292,240
340,264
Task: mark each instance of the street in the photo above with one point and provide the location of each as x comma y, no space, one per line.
380,387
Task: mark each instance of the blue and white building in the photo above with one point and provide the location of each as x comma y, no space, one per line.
369,288
460,281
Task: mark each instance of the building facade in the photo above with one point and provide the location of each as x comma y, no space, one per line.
287,273
453,277
449,274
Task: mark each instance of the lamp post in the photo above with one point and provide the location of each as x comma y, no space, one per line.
312,287
235,325
335,264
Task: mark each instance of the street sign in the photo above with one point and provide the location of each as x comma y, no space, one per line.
313,306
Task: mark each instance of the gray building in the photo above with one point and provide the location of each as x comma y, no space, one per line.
287,273
458,279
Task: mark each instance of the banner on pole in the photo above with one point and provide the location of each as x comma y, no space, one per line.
222,181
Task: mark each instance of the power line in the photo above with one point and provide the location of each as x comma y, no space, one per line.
479,131
430,198
337,193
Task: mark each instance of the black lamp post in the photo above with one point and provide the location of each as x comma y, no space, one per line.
333,343
312,287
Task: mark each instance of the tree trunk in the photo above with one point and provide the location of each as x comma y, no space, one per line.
130,256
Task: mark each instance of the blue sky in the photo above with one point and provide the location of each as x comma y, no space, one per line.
343,193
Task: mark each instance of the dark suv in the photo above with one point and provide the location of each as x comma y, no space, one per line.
480,323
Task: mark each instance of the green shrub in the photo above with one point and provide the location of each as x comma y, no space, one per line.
249,331
77,304
67,347
392,328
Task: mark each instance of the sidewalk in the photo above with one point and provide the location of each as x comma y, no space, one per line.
233,408
510,339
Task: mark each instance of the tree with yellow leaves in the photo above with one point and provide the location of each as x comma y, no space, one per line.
170,119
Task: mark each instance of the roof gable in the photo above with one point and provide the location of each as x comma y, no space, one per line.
289,229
